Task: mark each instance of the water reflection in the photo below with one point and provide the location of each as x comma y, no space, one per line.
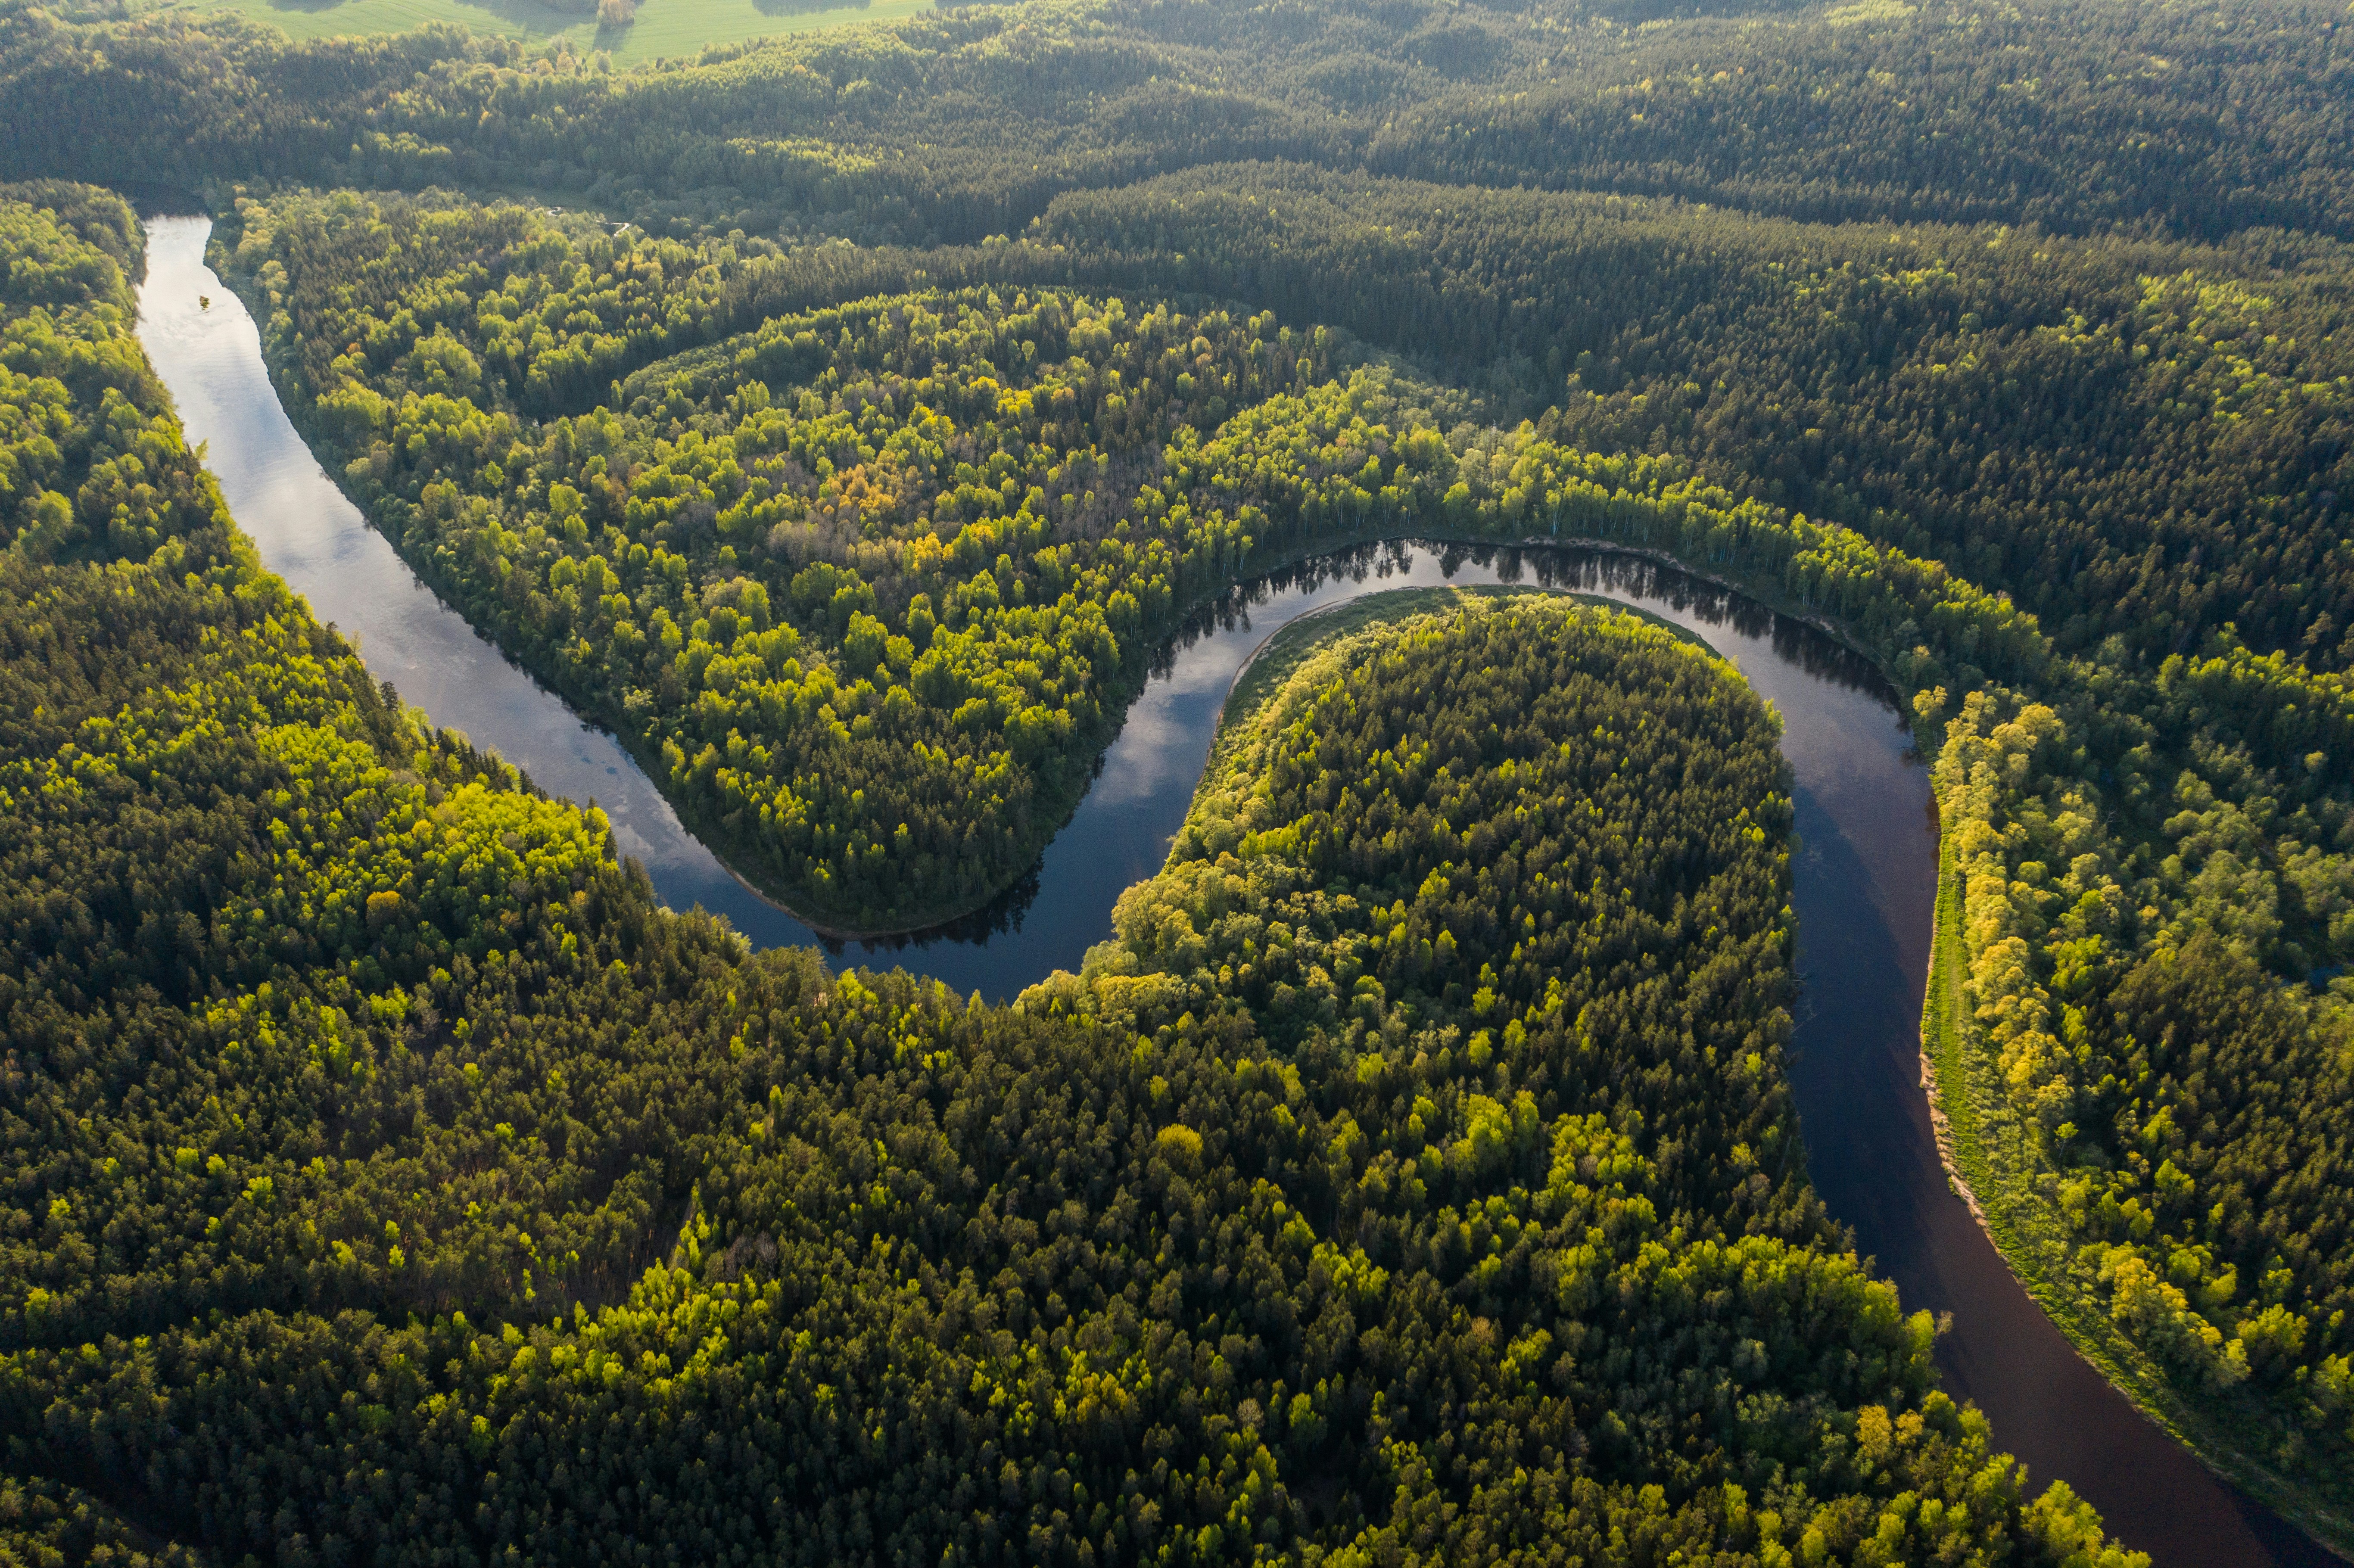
1145,782
1863,879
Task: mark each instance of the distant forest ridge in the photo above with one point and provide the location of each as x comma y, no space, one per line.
886,394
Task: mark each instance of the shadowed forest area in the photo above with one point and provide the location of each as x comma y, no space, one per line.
1414,1175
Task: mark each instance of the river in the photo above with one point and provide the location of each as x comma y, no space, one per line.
1865,878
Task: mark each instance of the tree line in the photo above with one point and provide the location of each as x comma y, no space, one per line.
870,585
953,127
2132,438
2170,704
389,1180
2056,428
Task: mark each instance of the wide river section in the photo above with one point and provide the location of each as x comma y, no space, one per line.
1865,876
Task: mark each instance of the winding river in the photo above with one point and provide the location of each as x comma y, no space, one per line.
1864,893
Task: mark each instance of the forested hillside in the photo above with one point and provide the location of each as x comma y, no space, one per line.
2133,437
891,394
2068,114
857,582
2152,784
390,1181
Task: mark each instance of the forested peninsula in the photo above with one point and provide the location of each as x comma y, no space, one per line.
414,1186
886,400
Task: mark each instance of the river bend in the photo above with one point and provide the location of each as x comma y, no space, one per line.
1864,887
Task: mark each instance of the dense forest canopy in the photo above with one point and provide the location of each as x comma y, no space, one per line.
860,580
2126,431
897,547
887,397
2074,115
2133,437
390,1180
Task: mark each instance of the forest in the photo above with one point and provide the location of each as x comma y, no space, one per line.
857,582
2067,116
390,1180
886,398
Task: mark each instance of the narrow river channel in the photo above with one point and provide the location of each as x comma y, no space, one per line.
1864,884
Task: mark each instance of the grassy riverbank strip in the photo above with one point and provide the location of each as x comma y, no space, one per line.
1983,1141
1994,1164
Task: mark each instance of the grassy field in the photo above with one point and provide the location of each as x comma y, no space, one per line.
663,27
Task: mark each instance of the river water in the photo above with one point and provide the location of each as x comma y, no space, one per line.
1865,878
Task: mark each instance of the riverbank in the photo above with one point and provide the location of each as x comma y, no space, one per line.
1272,662
1865,890
730,825
1960,1120
1989,1154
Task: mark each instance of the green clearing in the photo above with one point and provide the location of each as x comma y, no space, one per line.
665,28
1990,1148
